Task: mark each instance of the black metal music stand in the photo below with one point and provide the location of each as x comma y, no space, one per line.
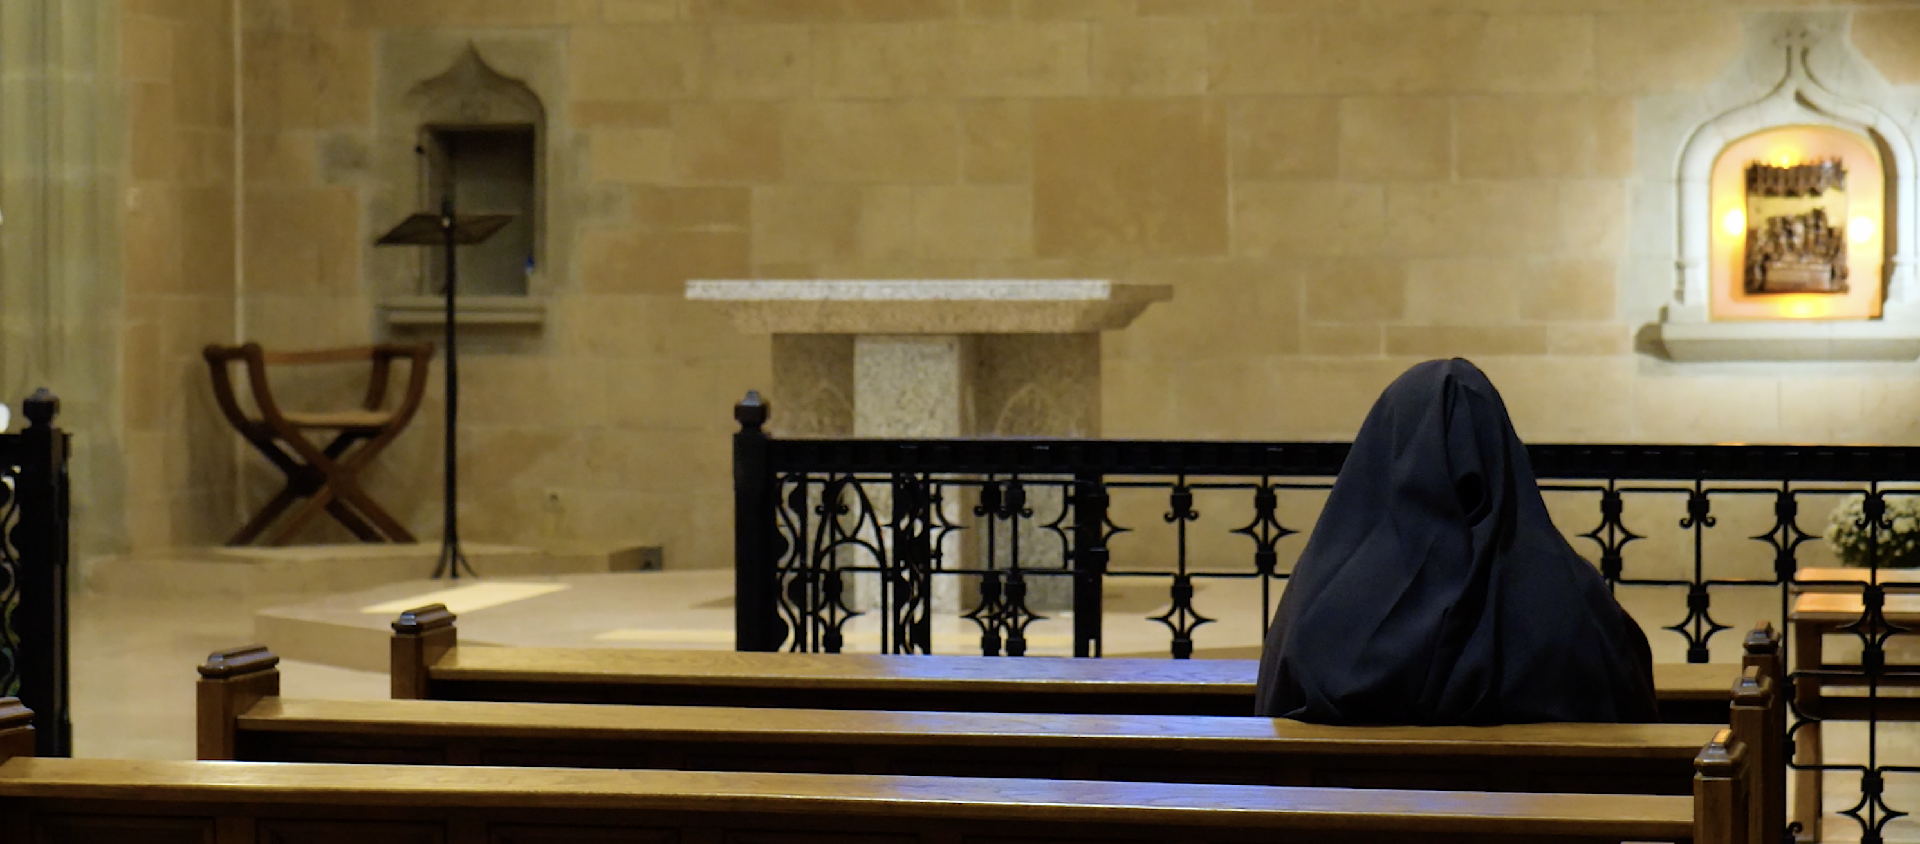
448,230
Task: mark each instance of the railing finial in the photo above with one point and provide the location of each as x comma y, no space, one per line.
751,412
41,407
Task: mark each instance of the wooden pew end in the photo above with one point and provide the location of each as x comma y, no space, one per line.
1757,702
231,682
420,637
1720,792
16,729
1766,731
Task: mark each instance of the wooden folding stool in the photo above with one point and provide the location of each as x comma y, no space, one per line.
327,477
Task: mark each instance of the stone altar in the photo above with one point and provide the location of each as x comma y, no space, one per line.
933,358
939,359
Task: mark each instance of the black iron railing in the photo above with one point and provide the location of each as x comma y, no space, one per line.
859,544
34,552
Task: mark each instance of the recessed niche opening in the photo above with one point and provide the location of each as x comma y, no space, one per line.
1795,212
451,123
1799,231
486,170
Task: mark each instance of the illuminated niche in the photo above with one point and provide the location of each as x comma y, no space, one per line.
1794,207
1798,232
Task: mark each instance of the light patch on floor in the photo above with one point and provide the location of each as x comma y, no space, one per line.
465,599
681,636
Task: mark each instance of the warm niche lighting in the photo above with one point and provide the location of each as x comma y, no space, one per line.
1796,216
1735,223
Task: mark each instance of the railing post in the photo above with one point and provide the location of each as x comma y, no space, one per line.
1089,561
40,536
756,575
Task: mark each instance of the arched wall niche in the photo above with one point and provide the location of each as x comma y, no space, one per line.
1813,77
476,110
1798,225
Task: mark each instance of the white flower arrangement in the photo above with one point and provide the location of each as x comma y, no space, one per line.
1898,547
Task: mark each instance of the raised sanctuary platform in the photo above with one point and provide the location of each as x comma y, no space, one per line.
328,569
678,610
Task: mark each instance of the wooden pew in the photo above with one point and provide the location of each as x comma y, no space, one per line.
83,801
428,665
242,717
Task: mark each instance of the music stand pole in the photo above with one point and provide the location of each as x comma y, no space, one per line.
449,231
452,560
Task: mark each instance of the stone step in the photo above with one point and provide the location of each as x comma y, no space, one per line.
328,569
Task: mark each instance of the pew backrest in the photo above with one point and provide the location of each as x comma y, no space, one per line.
429,664
1606,758
426,652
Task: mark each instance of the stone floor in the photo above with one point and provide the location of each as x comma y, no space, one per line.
134,651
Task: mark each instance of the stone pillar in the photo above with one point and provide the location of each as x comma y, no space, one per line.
912,386
916,386
61,297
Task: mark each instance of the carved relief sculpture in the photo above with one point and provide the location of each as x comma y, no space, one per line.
1796,230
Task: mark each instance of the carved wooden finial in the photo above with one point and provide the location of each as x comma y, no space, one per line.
1761,640
252,659
14,714
751,412
41,407
423,619
1721,756
1753,688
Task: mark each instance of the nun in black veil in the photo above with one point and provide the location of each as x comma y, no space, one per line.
1436,590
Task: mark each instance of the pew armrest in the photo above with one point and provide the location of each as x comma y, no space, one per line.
231,682
421,636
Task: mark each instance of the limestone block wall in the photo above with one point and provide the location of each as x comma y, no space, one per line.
1335,189
176,63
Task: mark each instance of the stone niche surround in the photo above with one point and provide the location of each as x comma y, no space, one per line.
1797,69
454,79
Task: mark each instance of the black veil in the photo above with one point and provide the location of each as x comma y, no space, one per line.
1436,590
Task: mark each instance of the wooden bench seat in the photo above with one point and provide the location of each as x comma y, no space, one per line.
242,717
81,801
427,664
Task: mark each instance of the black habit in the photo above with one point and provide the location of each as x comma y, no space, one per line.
1436,590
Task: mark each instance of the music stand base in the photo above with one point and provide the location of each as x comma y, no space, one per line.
452,561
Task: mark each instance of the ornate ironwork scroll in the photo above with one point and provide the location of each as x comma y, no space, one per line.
1266,532
34,553
10,565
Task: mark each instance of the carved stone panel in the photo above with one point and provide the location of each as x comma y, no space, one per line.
1796,228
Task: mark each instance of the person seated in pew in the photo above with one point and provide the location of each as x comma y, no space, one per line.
1435,588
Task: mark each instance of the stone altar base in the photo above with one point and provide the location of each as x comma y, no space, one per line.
898,358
